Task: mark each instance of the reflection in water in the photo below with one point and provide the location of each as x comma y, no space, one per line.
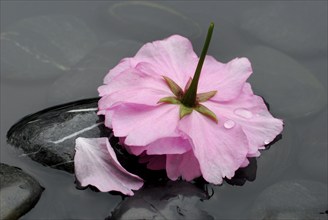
244,174
174,200
294,199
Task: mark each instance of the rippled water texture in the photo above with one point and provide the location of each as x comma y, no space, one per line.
53,52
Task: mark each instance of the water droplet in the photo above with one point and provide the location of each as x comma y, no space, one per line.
229,124
267,142
242,112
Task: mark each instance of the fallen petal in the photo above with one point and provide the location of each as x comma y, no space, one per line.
96,164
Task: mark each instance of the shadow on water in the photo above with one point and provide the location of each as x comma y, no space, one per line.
173,200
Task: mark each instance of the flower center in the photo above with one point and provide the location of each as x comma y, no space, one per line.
188,99
179,96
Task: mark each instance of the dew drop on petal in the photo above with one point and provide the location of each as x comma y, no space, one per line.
242,112
229,124
266,142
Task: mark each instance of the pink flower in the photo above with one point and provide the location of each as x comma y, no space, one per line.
144,102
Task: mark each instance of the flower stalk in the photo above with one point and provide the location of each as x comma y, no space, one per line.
189,99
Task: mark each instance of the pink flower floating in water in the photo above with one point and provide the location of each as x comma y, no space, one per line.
176,120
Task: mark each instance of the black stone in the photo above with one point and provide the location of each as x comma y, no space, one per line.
42,135
19,192
174,200
44,47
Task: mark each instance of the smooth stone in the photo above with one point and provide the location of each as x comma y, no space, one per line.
291,89
293,199
294,28
19,192
147,21
48,136
44,47
227,43
84,78
175,200
313,151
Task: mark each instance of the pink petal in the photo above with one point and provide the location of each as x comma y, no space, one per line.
122,66
169,145
228,79
259,125
133,79
141,96
220,151
185,165
154,162
245,163
96,164
163,146
135,150
173,57
141,125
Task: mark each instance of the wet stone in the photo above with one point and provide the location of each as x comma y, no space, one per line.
131,18
299,32
313,152
44,47
290,88
85,77
48,136
294,199
19,192
174,200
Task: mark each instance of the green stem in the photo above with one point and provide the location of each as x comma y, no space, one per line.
189,99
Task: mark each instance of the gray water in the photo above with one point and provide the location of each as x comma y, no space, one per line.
47,59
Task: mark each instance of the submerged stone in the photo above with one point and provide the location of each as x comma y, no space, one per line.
293,199
87,75
175,200
48,136
288,26
313,150
44,47
19,192
276,75
131,18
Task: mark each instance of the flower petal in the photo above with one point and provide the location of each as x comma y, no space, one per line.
154,162
142,96
258,124
185,165
96,164
227,79
141,125
173,57
119,68
169,145
133,79
220,152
